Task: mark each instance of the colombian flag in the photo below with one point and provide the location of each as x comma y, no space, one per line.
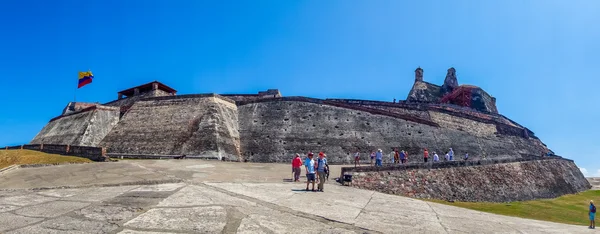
85,78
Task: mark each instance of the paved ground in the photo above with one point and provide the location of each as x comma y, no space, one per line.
194,196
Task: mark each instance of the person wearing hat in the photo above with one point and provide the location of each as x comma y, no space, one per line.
592,214
378,158
309,165
321,167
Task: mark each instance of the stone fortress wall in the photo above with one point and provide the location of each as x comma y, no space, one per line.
86,127
266,127
475,181
152,121
194,125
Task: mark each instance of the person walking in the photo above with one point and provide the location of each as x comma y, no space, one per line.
466,156
436,158
592,214
396,156
402,157
309,165
357,158
447,157
392,159
378,157
425,155
451,154
296,164
321,166
372,157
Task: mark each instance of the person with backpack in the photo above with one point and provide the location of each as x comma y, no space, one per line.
321,167
592,214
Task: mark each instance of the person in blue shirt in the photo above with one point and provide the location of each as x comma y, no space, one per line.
592,214
309,165
378,158
321,166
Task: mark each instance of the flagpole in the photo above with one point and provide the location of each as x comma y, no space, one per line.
75,93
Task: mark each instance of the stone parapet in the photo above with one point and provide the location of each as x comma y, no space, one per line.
500,180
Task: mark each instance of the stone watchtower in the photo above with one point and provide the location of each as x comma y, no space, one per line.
419,74
450,83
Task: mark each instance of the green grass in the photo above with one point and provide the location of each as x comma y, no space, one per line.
569,209
21,157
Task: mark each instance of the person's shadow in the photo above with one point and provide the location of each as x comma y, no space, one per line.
288,180
301,190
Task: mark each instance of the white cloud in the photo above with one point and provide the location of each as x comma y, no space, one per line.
585,171
597,174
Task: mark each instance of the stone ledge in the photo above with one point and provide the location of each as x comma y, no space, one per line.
447,164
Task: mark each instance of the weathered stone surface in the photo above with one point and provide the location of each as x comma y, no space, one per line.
10,221
272,131
209,219
67,224
199,196
424,92
86,128
51,209
111,214
25,200
450,82
5,208
498,182
203,126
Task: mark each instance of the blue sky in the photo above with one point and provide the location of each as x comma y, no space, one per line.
538,58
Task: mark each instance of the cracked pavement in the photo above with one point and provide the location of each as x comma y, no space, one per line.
196,196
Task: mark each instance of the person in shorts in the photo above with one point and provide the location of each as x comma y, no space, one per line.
357,158
309,165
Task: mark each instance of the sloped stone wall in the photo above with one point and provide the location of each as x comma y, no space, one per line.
274,131
86,128
194,125
491,181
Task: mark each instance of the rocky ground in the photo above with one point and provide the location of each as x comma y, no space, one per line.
194,196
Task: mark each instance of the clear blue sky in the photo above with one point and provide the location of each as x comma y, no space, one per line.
538,58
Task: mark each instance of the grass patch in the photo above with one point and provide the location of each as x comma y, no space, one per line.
21,157
569,209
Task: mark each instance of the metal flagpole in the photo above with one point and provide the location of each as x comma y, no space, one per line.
75,93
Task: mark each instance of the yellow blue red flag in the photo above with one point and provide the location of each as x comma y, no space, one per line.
85,78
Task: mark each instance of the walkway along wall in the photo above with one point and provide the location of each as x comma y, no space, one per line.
475,181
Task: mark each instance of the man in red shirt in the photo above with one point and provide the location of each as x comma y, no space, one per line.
425,155
296,164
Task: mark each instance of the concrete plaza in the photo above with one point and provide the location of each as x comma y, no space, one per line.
196,196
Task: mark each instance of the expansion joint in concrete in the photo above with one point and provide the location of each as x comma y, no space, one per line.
317,218
438,217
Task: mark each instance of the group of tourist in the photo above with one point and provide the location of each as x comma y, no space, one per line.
316,172
401,157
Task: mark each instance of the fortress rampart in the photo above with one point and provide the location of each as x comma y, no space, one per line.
487,180
268,127
151,120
